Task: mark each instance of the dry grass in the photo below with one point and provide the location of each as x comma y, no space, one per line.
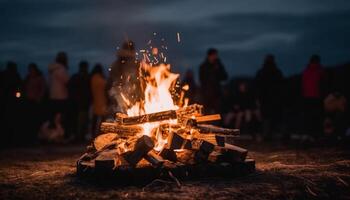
283,173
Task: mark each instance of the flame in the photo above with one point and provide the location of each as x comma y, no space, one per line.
158,98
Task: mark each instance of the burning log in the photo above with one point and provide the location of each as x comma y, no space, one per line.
192,110
175,141
143,145
155,159
168,154
120,130
104,139
152,117
207,118
204,150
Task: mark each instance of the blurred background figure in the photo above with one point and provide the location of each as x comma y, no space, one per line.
11,92
124,80
269,86
192,92
244,113
335,123
52,131
80,97
99,97
211,74
34,91
312,78
58,91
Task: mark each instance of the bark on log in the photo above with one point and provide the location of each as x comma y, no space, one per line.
104,139
207,128
143,145
120,130
153,158
232,153
181,113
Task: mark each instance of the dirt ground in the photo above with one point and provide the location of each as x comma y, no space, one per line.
283,172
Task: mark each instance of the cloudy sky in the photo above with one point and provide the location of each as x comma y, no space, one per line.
243,31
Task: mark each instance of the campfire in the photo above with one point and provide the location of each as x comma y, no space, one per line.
161,137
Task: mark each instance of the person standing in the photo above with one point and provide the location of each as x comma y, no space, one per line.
34,91
123,82
99,97
269,84
58,90
211,74
80,96
312,95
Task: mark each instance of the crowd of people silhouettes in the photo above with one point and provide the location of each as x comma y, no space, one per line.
65,108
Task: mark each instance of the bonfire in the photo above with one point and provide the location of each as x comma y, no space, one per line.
163,137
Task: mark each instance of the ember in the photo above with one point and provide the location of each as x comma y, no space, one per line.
161,133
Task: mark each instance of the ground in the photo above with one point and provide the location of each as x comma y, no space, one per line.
283,172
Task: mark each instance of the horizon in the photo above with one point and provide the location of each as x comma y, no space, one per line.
243,32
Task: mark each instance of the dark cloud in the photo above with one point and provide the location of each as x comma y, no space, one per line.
243,31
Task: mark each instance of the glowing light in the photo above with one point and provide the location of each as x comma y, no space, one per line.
18,94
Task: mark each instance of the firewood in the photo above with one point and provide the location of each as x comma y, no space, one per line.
104,139
168,154
232,153
105,161
143,145
192,110
206,128
185,156
152,117
207,118
204,150
120,130
153,158
175,141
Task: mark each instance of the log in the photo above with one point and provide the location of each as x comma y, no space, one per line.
192,110
207,118
143,145
105,161
175,141
204,150
168,154
152,117
120,130
232,153
104,139
153,158
207,128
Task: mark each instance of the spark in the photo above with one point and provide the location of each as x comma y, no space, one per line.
165,59
178,37
142,50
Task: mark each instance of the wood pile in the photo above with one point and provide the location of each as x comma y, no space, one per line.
189,149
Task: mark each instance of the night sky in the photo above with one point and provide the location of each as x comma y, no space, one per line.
243,31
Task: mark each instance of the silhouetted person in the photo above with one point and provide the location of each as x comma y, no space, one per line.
211,74
34,89
124,80
80,95
244,110
312,95
99,97
58,90
35,84
11,84
191,93
269,85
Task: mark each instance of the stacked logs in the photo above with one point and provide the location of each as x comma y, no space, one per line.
122,148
